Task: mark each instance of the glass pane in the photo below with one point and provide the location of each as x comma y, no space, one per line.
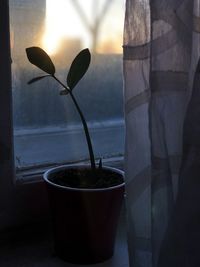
47,126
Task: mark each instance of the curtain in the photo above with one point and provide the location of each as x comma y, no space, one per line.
162,116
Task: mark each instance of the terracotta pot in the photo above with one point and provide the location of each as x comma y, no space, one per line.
84,220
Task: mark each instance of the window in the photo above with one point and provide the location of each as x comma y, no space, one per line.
43,122
47,129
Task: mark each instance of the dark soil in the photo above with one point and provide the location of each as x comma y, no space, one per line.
86,178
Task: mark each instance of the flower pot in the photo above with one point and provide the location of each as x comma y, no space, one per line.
84,220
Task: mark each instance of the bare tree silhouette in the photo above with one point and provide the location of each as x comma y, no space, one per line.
97,18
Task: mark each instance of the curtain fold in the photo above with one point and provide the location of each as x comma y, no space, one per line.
162,114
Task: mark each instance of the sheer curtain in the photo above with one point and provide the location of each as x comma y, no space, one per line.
162,113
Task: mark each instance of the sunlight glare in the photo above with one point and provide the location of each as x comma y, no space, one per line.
64,22
61,21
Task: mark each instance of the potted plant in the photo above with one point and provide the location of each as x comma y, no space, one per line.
85,199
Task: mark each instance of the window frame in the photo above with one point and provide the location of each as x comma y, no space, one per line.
25,202
6,124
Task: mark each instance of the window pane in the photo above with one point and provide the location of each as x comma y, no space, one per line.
47,126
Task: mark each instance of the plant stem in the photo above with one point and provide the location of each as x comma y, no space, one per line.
87,134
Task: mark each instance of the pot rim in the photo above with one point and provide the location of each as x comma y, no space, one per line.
80,166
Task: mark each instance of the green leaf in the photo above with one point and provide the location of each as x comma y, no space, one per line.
40,59
78,68
38,78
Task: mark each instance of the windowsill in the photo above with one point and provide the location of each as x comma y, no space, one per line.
34,174
58,144
33,246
